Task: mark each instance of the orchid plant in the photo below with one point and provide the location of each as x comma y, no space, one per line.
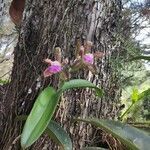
40,117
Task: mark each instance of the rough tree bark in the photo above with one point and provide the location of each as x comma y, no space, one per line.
51,23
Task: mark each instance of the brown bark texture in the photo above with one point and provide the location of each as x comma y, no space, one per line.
50,23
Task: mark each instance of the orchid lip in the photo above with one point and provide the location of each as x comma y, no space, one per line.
88,58
54,68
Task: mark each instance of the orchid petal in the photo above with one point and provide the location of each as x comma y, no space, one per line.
88,58
53,68
48,61
47,73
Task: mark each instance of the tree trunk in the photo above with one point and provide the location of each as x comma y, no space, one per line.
48,24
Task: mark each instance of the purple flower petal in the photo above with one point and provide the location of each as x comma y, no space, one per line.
47,73
55,67
88,58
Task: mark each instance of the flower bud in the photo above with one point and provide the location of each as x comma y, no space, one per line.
58,54
88,46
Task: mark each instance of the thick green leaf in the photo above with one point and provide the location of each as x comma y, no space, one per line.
59,135
132,137
39,116
55,132
80,83
93,148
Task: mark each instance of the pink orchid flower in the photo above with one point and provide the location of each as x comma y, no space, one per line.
53,68
88,58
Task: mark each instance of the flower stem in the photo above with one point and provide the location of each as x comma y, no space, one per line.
126,112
